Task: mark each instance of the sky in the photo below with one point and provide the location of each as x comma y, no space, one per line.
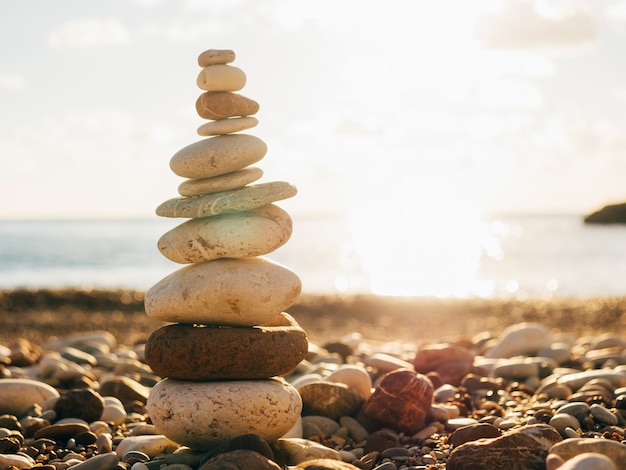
415,107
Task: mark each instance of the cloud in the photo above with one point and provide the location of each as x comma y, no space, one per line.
521,25
89,33
12,81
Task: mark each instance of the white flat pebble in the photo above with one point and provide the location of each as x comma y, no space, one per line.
18,395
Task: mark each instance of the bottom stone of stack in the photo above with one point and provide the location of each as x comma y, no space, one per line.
189,352
201,415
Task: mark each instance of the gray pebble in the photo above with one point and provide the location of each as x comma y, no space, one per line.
600,413
355,429
560,421
577,409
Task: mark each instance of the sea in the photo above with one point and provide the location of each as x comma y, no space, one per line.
504,256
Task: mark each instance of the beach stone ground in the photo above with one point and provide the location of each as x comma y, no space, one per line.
564,401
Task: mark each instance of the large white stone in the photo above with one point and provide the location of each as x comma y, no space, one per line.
238,292
203,414
18,395
355,377
237,235
521,339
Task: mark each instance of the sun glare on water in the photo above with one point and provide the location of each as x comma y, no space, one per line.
424,252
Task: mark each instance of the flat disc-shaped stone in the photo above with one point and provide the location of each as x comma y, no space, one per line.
215,56
237,200
238,292
217,155
213,353
227,126
226,182
202,415
234,235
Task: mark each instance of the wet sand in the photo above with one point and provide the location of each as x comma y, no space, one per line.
38,315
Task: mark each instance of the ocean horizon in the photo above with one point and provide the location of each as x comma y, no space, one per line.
533,255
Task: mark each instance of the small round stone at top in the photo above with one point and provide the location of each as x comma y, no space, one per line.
216,56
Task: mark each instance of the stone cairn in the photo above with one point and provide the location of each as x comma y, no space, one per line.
228,339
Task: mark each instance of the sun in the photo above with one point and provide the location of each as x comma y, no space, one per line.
429,249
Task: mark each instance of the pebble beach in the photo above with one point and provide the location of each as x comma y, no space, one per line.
388,383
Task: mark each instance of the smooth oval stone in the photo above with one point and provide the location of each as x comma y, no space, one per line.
18,395
217,155
113,412
578,379
515,369
233,180
577,409
61,431
329,399
227,126
295,451
221,77
560,421
216,56
16,461
355,377
223,104
152,445
237,235
588,461
201,415
401,400
384,362
601,414
99,462
569,448
209,353
521,339
320,426
237,200
237,292
355,429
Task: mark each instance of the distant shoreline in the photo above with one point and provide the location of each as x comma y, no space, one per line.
39,314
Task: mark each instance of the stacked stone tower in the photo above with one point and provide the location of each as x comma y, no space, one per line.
228,339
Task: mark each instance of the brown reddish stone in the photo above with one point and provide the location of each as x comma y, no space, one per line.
216,56
61,432
520,449
330,399
184,351
431,356
473,432
224,104
401,400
